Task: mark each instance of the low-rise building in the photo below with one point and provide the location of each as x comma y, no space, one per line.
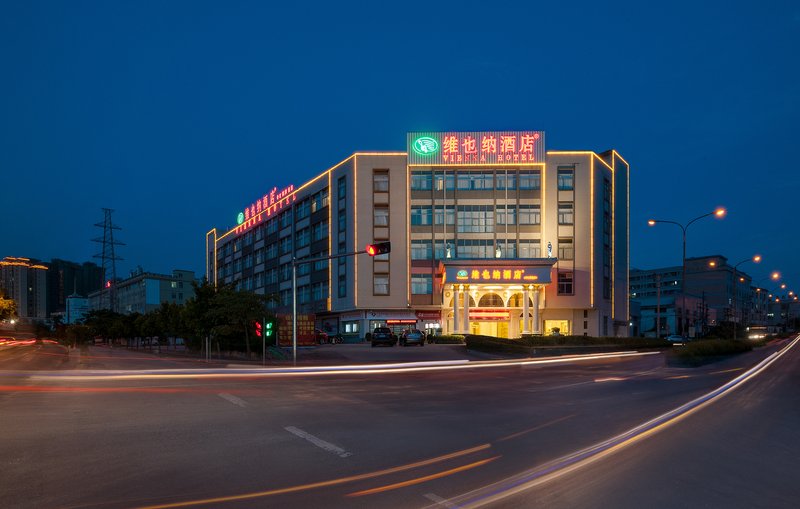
146,291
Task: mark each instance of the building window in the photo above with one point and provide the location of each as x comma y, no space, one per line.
319,291
566,179
285,219
319,200
303,209
530,180
475,219
440,212
445,182
477,248
565,283
303,237
319,231
566,251
420,215
380,182
272,226
420,181
421,250
507,215
506,181
286,271
341,187
381,216
303,294
342,286
530,249
380,284
271,251
321,264
350,327
286,297
565,215
475,181
530,215
422,284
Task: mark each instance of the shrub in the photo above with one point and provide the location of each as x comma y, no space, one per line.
526,343
697,351
449,339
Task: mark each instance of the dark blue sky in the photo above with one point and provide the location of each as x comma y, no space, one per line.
177,114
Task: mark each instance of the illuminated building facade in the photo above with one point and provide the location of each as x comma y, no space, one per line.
487,228
24,280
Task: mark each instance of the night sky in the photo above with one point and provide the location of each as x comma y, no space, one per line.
178,114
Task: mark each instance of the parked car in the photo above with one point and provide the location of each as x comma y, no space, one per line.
412,337
383,336
677,338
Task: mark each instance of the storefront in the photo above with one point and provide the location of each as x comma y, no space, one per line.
500,297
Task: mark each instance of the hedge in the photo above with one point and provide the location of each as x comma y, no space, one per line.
525,344
449,339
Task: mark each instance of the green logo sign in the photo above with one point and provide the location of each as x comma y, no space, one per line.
425,146
240,218
462,273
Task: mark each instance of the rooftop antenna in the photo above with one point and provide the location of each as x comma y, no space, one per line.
108,297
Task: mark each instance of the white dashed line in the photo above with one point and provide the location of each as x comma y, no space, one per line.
232,399
322,444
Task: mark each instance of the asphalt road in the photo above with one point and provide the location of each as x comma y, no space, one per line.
370,439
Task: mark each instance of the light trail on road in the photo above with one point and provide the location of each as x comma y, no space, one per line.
366,369
566,464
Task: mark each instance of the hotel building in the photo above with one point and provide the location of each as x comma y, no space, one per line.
491,234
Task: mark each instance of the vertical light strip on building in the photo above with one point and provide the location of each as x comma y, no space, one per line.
330,241
591,231
408,234
355,229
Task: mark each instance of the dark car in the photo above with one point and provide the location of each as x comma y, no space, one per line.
383,336
412,337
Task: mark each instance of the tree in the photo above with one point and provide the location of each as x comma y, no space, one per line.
8,308
198,322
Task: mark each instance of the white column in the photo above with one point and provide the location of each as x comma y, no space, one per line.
536,326
525,321
456,308
466,311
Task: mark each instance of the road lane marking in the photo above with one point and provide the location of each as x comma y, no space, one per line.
440,501
321,484
610,379
535,428
725,371
420,480
677,377
232,399
322,444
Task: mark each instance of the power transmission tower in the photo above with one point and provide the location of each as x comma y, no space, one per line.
108,298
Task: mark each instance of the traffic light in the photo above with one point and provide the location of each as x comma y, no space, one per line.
379,248
258,329
270,327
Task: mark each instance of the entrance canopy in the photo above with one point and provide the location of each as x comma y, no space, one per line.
533,271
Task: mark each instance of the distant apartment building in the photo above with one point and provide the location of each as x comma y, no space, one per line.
715,293
24,280
65,279
146,291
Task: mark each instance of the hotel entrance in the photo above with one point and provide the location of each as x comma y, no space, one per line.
500,298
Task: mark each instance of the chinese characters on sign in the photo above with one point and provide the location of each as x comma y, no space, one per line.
476,148
497,275
265,207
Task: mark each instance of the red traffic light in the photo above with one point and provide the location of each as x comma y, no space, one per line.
379,248
258,329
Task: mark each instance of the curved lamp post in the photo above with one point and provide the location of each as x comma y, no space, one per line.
720,212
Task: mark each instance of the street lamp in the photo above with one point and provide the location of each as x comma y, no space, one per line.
754,259
719,213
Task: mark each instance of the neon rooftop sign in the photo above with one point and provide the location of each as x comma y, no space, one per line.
264,208
476,147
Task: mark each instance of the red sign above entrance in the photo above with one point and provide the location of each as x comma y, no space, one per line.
476,148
